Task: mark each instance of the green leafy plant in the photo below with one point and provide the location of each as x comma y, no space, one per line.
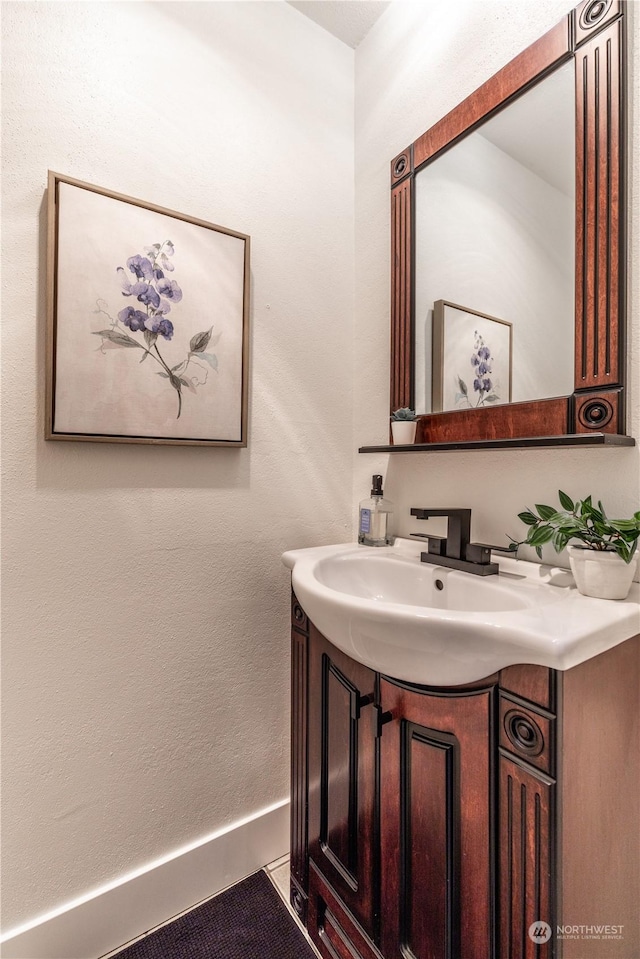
580,521
405,415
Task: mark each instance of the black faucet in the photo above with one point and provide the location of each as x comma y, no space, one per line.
455,550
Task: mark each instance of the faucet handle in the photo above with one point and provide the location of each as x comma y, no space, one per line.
478,553
494,549
436,545
481,552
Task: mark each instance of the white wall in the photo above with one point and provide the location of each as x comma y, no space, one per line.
417,63
145,605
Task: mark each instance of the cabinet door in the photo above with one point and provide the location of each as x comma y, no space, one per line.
435,818
342,777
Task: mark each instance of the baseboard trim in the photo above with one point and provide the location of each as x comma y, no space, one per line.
113,915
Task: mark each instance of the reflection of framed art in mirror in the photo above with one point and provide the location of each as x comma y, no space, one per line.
472,358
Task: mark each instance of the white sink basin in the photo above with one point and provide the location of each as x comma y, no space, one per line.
400,579
438,626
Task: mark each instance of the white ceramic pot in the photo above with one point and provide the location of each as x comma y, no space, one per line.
403,432
600,573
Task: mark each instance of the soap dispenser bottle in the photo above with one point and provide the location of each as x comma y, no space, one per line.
373,527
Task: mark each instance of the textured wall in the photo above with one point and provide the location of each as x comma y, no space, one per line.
145,607
416,64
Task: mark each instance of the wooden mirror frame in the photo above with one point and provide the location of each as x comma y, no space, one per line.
593,35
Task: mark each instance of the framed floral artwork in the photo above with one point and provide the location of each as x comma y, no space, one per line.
472,358
147,316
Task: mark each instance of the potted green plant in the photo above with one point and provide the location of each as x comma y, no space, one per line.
604,560
403,426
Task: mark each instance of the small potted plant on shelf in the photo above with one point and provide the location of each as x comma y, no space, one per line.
604,560
403,426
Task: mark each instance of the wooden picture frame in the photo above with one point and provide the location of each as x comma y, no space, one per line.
472,359
147,322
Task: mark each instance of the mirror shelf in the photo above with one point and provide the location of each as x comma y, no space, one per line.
590,41
528,442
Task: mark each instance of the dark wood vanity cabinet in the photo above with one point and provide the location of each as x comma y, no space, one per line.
426,820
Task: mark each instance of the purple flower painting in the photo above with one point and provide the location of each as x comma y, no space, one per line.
484,389
148,342
471,366
151,297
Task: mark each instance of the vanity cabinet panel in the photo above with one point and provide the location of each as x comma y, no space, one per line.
435,802
526,812
299,764
536,684
599,802
342,778
528,734
335,932
525,860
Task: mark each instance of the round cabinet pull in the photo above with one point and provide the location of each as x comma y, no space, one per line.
298,613
523,733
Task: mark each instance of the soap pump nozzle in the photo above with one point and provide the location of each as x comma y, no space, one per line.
376,485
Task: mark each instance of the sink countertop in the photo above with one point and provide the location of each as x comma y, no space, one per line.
448,646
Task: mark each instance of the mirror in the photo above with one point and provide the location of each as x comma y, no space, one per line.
507,260
494,230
